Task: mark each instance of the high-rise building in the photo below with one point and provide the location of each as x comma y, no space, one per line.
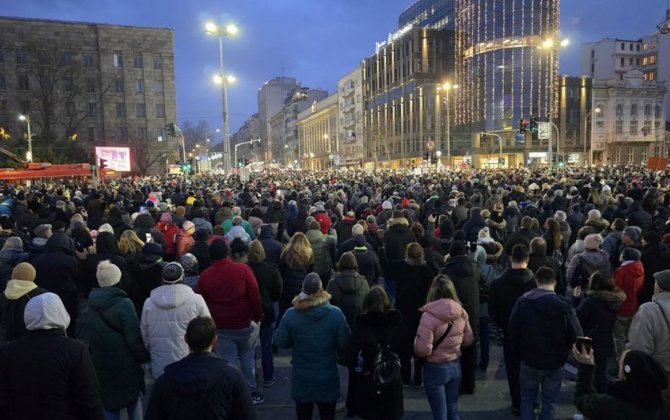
506,63
249,130
271,98
350,98
574,118
96,84
434,14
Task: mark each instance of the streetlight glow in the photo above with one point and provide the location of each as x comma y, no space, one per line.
211,27
232,29
548,43
22,117
565,42
229,79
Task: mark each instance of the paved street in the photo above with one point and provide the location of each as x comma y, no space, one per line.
491,400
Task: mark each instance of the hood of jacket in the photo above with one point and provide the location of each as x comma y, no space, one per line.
632,268
17,288
346,281
599,223
37,244
616,296
267,232
104,297
461,266
170,296
313,306
314,235
60,242
518,276
445,309
496,225
400,224
595,259
548,303
196,377
13,256
106,243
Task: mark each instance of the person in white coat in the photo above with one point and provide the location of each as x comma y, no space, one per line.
165,316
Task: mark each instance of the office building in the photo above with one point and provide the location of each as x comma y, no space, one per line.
271,97
350,108
434,14
318,134
249,130
96,84
574,119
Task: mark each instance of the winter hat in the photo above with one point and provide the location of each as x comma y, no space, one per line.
644,370
311,285
218,249
458,248
485,213
652,237
594,214
630,254
45,312
357,230
484,236
172,273
663,279
107,274
180,210
319,207
513,204
387,205
187,225
106,227
166,217
152,249
633,232
43,231
189,263
593,241
364,199
23,271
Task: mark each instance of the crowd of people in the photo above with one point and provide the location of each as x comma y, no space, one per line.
404,278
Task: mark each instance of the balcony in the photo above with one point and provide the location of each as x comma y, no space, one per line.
348,89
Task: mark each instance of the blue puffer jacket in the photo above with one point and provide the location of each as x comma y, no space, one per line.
315,330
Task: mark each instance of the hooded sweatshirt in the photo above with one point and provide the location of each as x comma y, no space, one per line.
348,290
434,323
165,316
504,292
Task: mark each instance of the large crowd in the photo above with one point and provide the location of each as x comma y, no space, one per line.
404,278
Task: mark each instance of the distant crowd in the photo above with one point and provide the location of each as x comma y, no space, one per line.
405,279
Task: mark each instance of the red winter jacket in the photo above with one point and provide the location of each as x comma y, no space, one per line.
324,221
231,293
169,232
629,278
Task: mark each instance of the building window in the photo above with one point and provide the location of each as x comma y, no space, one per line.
138,61
66,58
600,125
651,76
637,61
24,82
599,110
89,59
630,61
644,61
91,133
619,110
3,82
120,110
160,110
118,86
617,154
623,46
158,63
637,47
121,133
142,133
630,47
657,150
619,127
633,110
623,61
647,110
161,134
21,57
68,84
657,125
141,110
118,59
630,154
633,127
139,85
646,128
92,110
652,59
643,152
90,85
657,112
159,87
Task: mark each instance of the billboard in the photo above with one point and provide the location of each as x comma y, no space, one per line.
118,158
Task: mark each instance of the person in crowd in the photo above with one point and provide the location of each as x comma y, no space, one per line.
636,394
443,329
655,258
357,236
629,277
296,261
584,264
324,248
191,269
270,288
542,328
169,231
522,236
184,240
106,248
397,236
200,249
238,251
465,275
348,288
613,240
57,270
11,254
578,246
378,326
367,260
315,331
487,257
650,332
165,315
597,315
272,247
45,374
146,275
37,245
504,292
231,293
200,385
130,248
112,330
540,258
19,290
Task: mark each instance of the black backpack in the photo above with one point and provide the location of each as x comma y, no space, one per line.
386,370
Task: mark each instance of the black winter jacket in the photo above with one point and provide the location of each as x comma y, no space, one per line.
597,315
464,273
504,292
269,286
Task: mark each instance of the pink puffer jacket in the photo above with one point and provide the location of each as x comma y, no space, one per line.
434,322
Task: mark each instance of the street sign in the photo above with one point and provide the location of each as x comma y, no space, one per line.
544,131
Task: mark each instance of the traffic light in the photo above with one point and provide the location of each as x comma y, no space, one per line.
246,162
523,125
171,129
240,162
102,164
553,159
483,140
533,124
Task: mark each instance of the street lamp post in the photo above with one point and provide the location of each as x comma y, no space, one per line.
447,87
219,30
29,156
586,121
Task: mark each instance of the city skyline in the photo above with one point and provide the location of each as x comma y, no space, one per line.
315,42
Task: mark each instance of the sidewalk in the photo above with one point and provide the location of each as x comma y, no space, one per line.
490,401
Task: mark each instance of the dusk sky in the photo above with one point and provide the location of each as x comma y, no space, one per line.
315,41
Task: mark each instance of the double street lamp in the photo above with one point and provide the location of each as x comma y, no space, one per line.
221,31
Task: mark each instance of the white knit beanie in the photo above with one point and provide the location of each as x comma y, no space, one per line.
106,227
108,274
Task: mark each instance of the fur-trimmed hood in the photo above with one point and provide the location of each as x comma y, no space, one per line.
398,221
495,225
617,295
310,301
598,223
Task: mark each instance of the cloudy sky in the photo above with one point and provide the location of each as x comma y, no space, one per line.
315,41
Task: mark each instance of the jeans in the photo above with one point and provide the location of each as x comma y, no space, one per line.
266,352
512,370
240,345
621,327
304,410
130,409
441,382
531,379
484,341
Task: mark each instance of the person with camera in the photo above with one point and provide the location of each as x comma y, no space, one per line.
542,329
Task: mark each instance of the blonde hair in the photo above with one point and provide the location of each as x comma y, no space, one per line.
130,243
442,288
299,252
256,252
